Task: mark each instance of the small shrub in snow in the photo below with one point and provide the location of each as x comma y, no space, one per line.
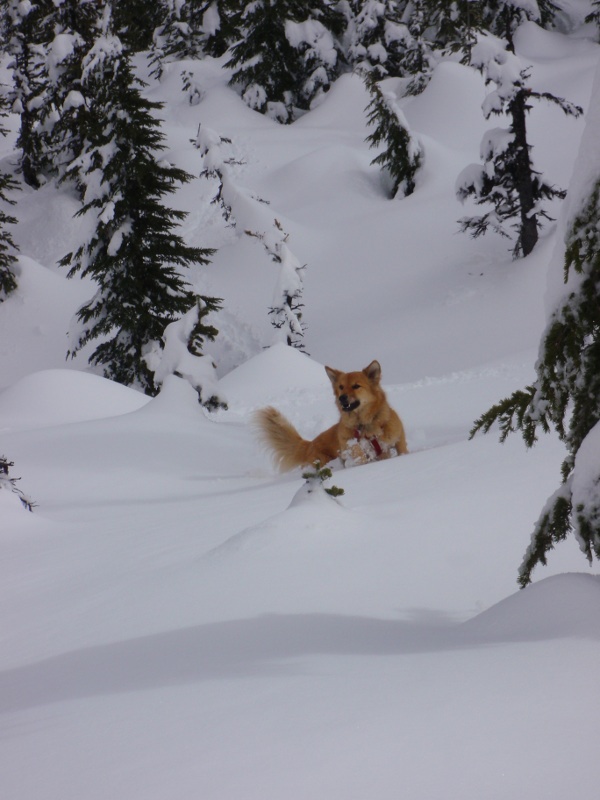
182,354
6,482
316,477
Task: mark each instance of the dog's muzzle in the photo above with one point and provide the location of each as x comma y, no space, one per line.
346,404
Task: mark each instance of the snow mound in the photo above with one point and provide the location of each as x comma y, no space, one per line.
566,605
301,560
59,396
276,371
342,107
454,95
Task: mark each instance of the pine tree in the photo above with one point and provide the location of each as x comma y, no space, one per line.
135,22
220,25
503,17
179,35
26,29
133,253
594,15
454,26
286,311
183,353
507,179
74,26
378,37
419,59
218,158
566,393
402,156
8,280
192,29
287,56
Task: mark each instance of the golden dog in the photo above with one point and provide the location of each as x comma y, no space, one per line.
368,428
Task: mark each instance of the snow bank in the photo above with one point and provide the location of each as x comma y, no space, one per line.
561,606
59,396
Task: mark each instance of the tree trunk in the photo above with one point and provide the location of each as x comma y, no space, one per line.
523,175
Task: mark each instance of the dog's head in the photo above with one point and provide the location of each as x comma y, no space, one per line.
355,390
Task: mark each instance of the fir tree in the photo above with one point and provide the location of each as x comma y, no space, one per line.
26,29
183,353
218,158
286,311
419,58
503,17
378,37
74,26
288,54
507,179
135,22
402,156
179,35
566,393
220,25
8,280
192,29
133,253
594,15
454,26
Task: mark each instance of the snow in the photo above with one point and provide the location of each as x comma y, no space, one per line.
182,621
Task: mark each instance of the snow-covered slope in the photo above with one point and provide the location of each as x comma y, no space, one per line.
180,621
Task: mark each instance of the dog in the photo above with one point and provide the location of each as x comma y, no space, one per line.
368,428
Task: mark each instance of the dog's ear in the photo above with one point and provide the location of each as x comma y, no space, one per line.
333,374
373,371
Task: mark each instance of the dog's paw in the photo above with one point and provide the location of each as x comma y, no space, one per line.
358,451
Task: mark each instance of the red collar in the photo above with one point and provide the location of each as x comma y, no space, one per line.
374,442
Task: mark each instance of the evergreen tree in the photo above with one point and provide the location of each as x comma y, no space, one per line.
133,253
507,179
183,356
594,15
454,26
378,37
566,393
503,17
218,158
220,21
286,311
178,37
26,29
403,154
419,58
135,22
8,281
74,26
288,54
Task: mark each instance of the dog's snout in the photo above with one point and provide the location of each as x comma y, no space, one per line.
344,399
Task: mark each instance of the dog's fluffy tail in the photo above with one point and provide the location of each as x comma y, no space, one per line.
288,447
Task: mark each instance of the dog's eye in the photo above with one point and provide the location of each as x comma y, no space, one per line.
356,386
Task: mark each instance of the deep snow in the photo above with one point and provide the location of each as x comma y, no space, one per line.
183,622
